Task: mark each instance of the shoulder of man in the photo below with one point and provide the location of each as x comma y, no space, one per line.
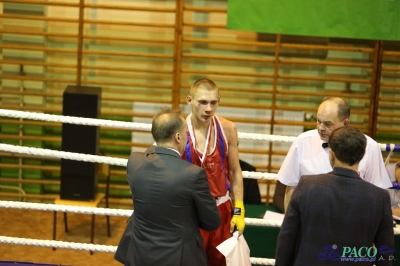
371,143
136,154
306,179
228,126
225,123
308,134
307,137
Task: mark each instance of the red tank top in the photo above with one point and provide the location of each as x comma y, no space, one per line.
215,163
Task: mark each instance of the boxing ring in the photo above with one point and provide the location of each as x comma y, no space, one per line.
118,162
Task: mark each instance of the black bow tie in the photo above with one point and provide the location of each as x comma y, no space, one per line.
325,145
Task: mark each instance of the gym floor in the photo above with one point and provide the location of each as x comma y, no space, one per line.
39,225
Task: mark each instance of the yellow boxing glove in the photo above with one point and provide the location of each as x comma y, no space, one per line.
238,216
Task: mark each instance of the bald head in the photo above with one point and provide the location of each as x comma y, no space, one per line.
166,123
341,106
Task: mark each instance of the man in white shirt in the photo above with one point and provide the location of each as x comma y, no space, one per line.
309,153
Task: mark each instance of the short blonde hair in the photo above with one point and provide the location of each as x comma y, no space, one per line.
204,83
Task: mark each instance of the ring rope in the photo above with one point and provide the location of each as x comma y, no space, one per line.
64,208
103,211
88,247
259,175
64,155
101,159
74,120
146,127
120,124
115,212
262,261
56,244
390,147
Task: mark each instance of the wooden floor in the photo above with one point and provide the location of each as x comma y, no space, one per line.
39,225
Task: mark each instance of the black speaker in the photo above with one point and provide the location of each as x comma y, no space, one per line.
79,179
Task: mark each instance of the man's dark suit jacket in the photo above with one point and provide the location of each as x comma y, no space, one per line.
331,211
172,200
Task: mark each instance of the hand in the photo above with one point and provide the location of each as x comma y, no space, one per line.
238,217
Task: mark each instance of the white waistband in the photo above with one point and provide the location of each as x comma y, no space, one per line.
223,199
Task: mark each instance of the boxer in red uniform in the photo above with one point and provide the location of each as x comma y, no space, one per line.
213,144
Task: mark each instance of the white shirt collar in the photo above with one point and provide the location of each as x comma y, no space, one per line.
155,144
175,151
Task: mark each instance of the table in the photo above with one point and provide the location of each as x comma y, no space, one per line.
261,239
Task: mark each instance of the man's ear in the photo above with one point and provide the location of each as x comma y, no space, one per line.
332,157
189,100
346,122
177,137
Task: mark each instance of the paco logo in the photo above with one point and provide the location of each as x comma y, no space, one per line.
362,252
357,254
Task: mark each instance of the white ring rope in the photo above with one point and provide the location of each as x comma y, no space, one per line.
56,244
262,261
64,208
88,247
134,125
115,212
103,211
265,137
74,120
259,175
64,155
120,124
100,159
